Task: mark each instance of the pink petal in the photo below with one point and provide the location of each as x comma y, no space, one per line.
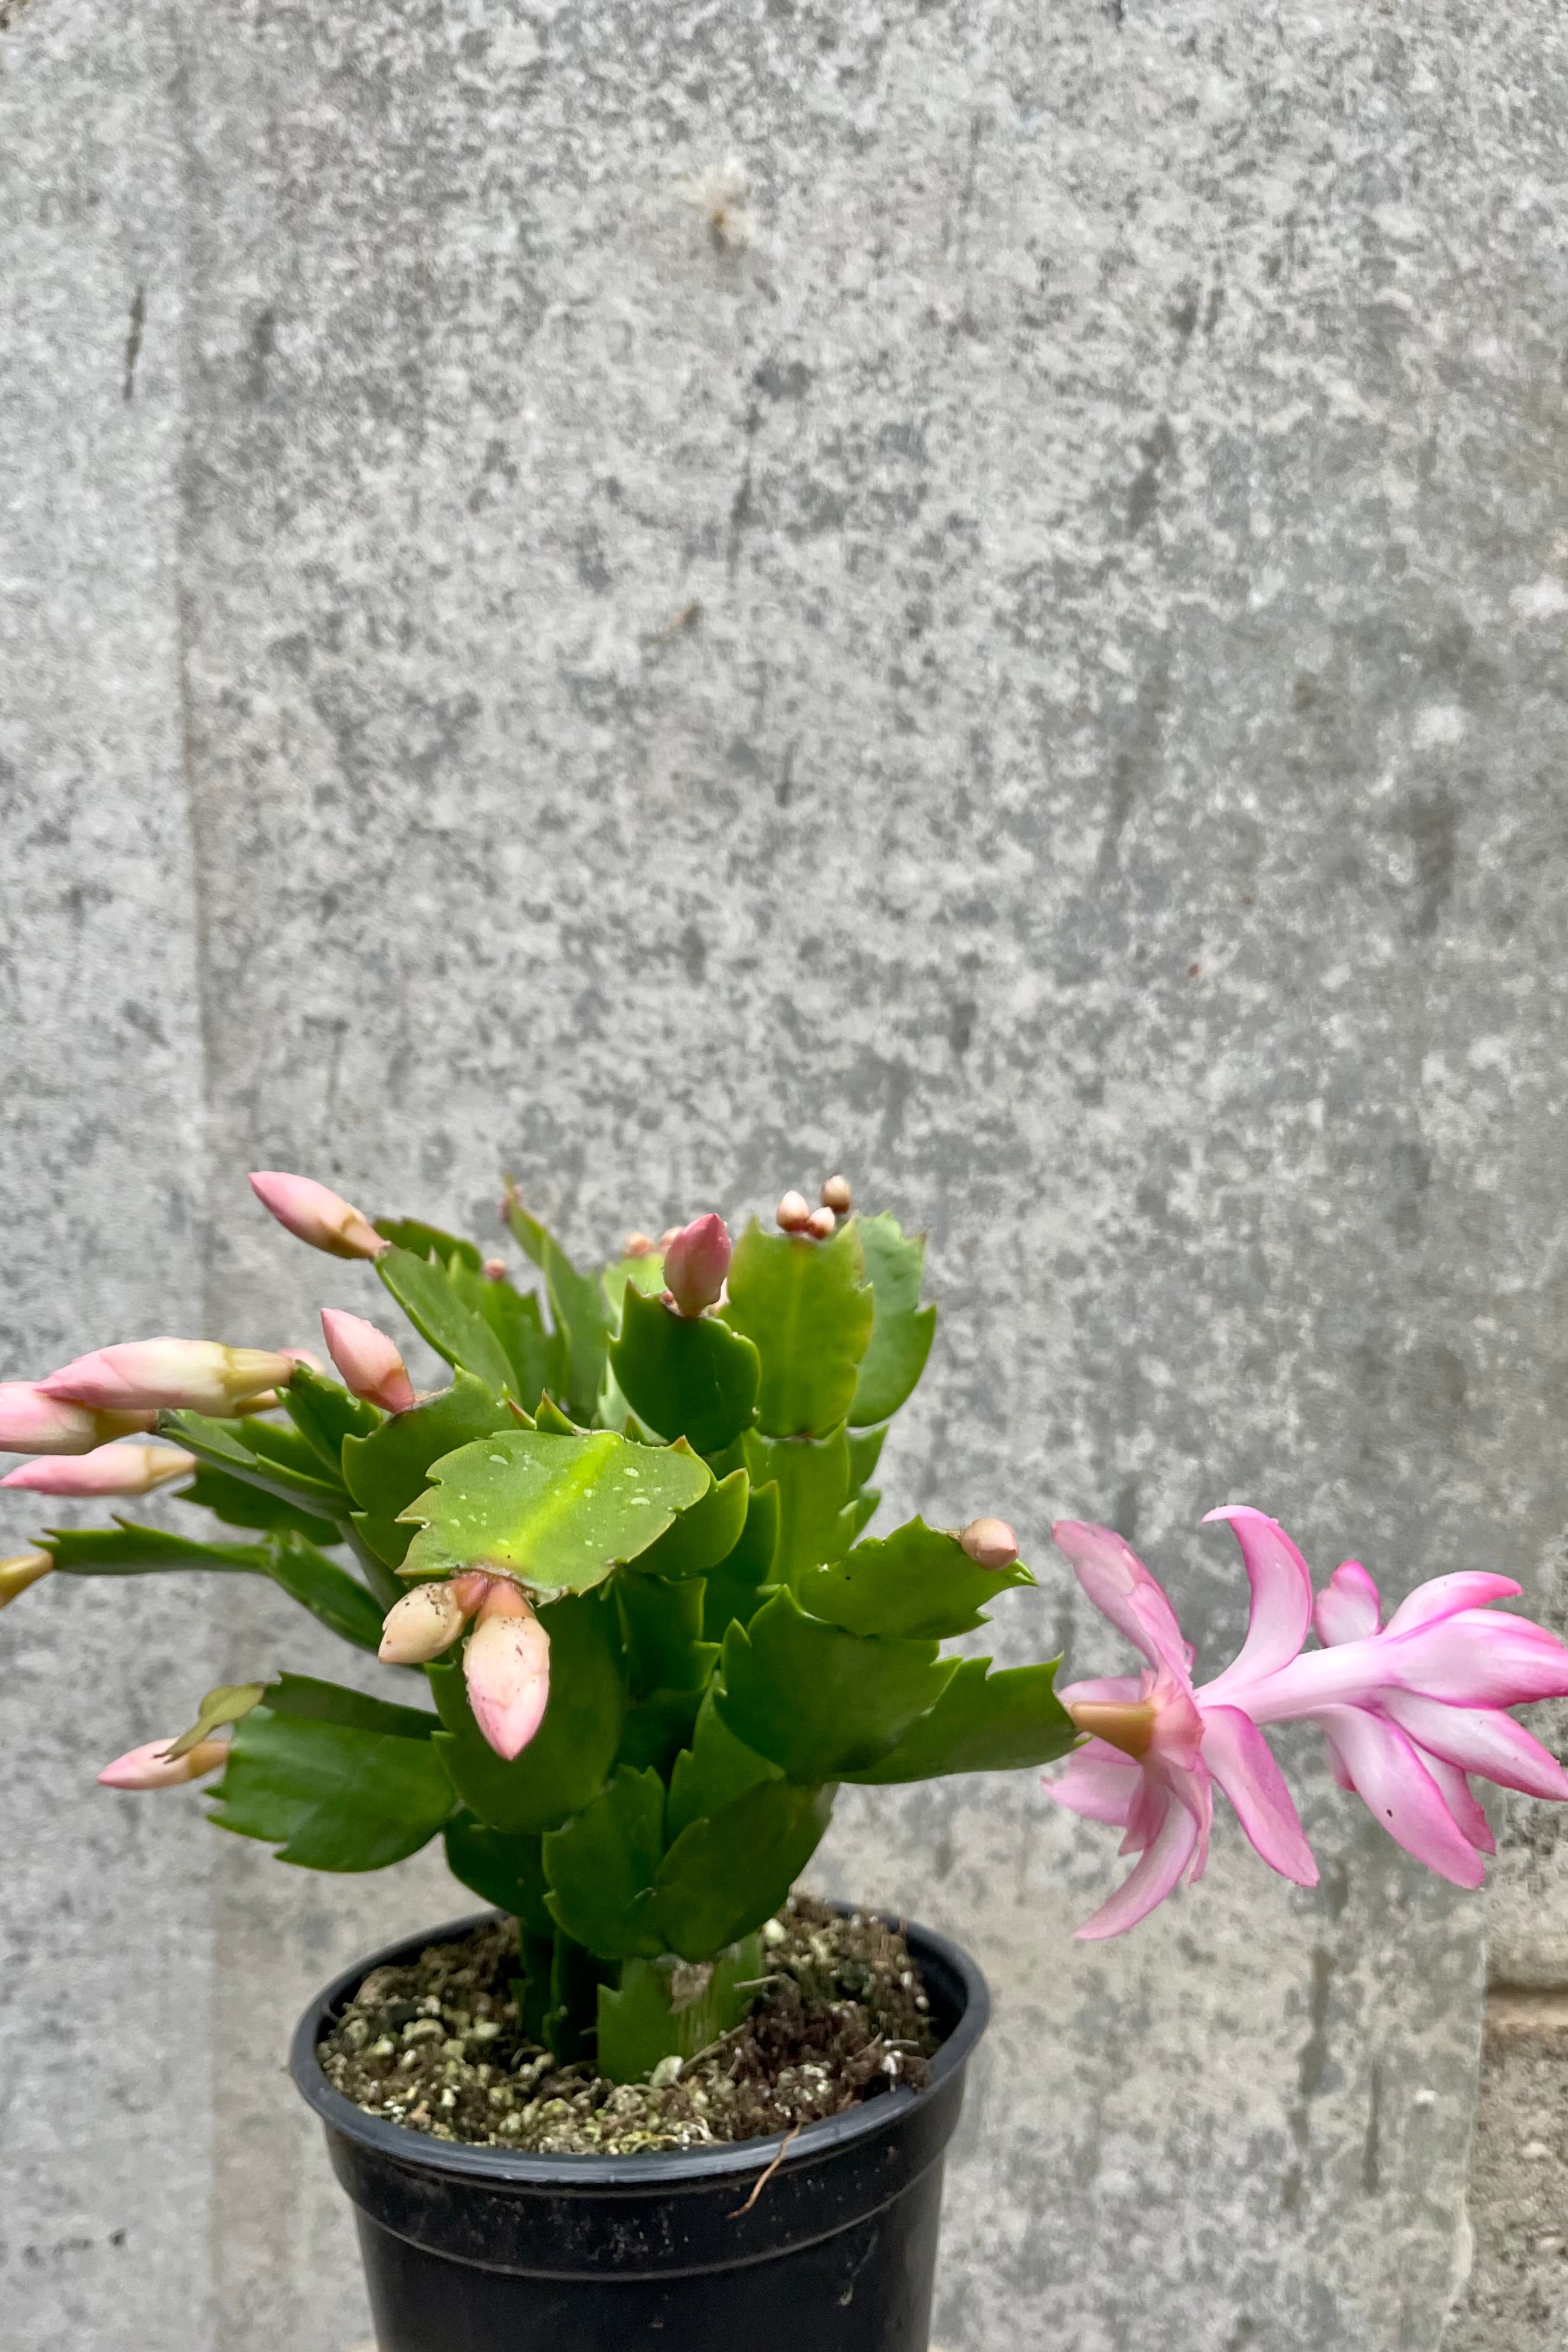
1476,1659
1242,1761
1282,1592
1100,1782
1110,1690
1121,1589
1456,1793
1479,1739
1443,1596
1348,1608
1152,1879
1395,1787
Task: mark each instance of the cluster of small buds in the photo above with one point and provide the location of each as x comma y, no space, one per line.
312,1214
507,1663
368,1360
795,1215
122,1469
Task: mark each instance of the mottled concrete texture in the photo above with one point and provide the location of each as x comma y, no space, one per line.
1037,678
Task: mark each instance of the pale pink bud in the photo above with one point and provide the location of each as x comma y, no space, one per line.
990,1543
793,1212
835,1195
312,1214
507,1667
23,1568
668,1237
495,1269
695,1262
426,1621
111,1470
150,1767
368,1360
637,1245
198,1375
32,1421
820,1224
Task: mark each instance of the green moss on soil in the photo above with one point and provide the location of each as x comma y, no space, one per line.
841,2017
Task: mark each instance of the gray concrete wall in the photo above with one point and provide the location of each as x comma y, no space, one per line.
1035,674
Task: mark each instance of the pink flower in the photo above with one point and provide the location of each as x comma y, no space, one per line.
1157,1746
111,1470
149,1767
696,1261
368,1360
507,1668
150,1375
1413,1709
312,1214
32,1421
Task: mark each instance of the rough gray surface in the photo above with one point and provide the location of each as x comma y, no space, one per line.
1515,2298
1038,680
105,1922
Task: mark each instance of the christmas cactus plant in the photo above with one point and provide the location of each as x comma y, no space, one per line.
637,1635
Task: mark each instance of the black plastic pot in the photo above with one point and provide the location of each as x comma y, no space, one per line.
475,2250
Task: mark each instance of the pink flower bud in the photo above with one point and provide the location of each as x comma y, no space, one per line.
495,1269
368,1360
820,1224
142,1375
637,1245
32,1421
312,1214
149,1767
836,1195
793,1212
507,1667
111,1470
667,1236
23,1568
428,1621
990,1543
695,1262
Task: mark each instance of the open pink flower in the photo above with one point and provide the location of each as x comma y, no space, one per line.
1157,1746
1412,1709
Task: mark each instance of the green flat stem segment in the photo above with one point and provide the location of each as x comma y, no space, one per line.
666,2008
560,1513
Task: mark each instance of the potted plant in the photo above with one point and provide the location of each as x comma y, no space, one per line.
635,1636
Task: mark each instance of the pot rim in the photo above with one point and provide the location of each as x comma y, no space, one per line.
672,2168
